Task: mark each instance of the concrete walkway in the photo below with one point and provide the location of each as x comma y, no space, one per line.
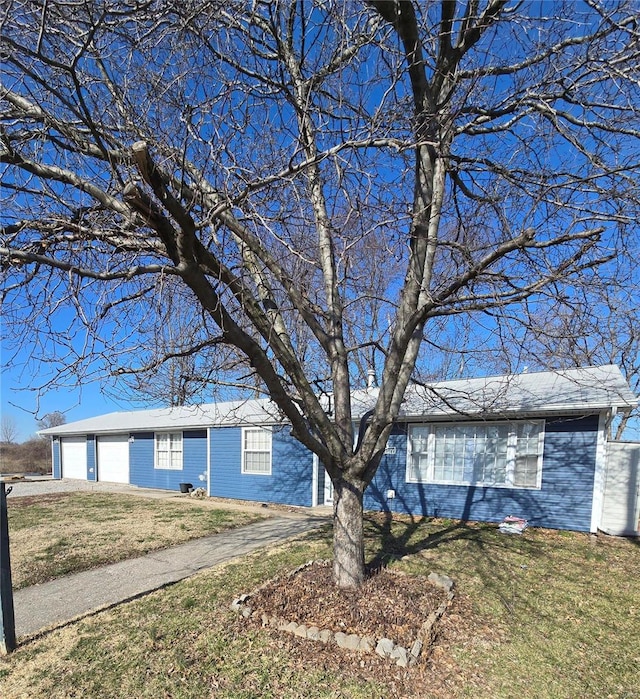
57,602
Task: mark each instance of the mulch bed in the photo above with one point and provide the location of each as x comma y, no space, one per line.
388,605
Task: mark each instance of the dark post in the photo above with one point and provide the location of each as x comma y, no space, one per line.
7,618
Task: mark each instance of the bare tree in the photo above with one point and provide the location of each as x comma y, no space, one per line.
331,183
591,323
595,324
8,429
54,419
178,357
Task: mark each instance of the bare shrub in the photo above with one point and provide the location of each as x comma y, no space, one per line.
32,456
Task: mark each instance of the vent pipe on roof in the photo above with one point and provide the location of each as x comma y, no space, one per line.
372,380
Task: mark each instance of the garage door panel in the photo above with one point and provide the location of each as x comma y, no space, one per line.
74,457
113,458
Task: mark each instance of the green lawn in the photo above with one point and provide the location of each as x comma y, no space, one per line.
544,616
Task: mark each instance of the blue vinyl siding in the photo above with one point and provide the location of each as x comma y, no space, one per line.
563,502
291,469
141,461
92,471
55,457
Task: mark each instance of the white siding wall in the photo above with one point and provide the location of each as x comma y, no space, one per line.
621,505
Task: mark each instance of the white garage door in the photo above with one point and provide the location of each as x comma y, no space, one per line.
113,458
74,457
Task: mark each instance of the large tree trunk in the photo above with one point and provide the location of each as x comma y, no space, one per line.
348,534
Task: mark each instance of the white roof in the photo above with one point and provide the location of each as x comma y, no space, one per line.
241,412
569,391
549,392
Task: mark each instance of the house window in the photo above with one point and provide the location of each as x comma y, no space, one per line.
256,450
419,440
169,450
506,454
528,455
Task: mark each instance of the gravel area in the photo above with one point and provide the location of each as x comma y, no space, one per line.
47,486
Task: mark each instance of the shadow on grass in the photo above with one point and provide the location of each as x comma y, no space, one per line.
398,537
395,537
543,574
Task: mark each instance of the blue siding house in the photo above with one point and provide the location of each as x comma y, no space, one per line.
563,498
280,473
532,445
147,473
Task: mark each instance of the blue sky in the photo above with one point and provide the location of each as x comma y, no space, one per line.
22,404
19,398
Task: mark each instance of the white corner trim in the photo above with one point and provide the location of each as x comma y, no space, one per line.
599,476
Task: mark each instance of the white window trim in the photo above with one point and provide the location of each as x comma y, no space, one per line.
511,457
155,452
243,468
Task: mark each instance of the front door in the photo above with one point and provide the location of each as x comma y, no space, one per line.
328,490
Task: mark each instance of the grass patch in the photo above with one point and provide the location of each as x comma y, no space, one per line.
544,616
66,533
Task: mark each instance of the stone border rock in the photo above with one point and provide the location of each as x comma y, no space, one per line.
384,647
